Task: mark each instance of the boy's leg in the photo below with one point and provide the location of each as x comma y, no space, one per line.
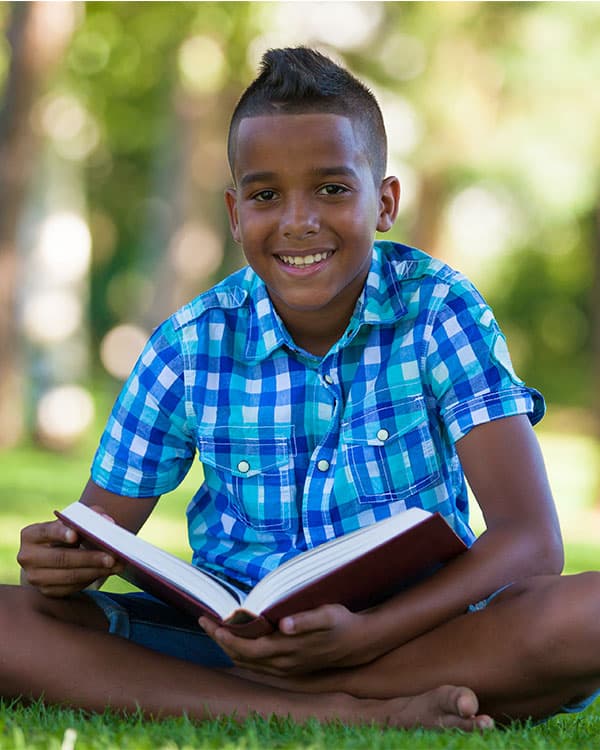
60,650
533,650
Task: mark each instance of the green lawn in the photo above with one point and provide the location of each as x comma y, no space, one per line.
33,483
39,728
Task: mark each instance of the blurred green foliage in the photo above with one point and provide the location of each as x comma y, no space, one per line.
497,102
123,67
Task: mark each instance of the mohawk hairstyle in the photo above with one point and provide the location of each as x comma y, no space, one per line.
299,80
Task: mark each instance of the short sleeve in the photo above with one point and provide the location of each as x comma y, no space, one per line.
147,448
469,368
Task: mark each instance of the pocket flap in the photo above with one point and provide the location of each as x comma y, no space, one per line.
245,451
378,424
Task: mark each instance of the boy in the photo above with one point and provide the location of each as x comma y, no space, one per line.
330,384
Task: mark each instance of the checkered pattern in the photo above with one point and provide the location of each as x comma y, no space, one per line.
297,450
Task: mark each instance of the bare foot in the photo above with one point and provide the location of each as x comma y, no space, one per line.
442,708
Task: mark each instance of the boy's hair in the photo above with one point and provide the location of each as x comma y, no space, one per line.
299,80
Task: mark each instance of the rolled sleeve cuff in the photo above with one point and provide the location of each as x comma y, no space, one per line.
461,417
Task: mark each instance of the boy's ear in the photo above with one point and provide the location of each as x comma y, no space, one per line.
232,212
389,200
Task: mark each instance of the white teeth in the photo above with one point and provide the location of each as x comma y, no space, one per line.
306,260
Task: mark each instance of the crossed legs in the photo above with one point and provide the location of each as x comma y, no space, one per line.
532,651
59,650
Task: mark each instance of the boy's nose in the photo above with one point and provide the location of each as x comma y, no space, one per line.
299,220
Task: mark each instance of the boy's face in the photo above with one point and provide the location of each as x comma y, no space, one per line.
305,209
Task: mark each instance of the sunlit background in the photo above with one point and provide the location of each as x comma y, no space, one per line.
113,119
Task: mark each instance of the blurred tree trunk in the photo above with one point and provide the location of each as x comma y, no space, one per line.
595,315
426,232
37,34
595,321
192,185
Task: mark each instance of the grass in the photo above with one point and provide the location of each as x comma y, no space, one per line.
33,483
40,728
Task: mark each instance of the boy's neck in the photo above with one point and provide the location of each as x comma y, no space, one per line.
314,344
316,332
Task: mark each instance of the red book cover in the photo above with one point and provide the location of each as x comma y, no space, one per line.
373,577
363,582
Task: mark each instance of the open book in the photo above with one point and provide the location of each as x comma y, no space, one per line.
358,570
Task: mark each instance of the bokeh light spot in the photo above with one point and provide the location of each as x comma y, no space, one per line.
52,316
72,129
197,250
65,247
89,53
63,414
120,349
202,64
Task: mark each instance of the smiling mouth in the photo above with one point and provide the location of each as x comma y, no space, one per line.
302,261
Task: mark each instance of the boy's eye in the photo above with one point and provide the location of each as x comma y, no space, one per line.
333,189
264,195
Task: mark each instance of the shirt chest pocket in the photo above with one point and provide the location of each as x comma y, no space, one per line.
254,468
388,450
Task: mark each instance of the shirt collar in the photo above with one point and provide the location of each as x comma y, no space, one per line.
266,331
380,303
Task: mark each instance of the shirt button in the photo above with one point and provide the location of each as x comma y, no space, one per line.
323,465
243,467
328,379
382,434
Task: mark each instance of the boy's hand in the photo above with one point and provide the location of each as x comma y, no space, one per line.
54,562
327,637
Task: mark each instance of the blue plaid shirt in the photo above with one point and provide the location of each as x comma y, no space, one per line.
299,449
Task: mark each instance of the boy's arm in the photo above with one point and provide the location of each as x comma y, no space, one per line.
131,513
51,558
504,466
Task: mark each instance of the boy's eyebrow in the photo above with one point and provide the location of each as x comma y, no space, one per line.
319,172
336,171
256,177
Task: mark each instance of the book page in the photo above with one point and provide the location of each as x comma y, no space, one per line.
310,565
202,585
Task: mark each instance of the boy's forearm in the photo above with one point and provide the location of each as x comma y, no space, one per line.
498,557
503,463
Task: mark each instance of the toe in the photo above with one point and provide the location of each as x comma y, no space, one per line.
463,700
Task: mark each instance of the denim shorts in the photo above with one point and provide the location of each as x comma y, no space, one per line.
149,622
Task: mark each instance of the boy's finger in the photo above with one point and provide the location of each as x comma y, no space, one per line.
252,649
51,532
51,577
322,618
208,625
67,558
